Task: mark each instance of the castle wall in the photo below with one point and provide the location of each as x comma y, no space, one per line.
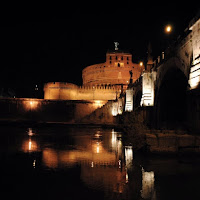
46,110
67,91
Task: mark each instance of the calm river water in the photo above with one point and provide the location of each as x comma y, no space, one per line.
88,163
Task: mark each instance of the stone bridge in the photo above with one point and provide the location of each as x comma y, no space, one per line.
168,90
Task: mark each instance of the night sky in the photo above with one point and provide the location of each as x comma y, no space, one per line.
46,43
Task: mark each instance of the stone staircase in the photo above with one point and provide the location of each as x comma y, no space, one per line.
102,115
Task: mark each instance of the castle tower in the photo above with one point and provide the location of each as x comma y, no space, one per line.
114,71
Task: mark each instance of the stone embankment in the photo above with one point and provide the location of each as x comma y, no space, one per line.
172,142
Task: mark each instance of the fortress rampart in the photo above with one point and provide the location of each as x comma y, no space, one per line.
102,81
68,91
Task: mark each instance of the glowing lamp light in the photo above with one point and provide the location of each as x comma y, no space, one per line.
168,29
98,103
141,64
30,145
114,112
31,104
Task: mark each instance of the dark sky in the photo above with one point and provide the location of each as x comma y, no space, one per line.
42,43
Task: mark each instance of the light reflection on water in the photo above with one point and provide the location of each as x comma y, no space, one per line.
92,161
104,161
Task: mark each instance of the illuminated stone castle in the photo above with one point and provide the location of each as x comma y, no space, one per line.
104,81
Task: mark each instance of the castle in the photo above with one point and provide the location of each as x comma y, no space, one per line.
104,81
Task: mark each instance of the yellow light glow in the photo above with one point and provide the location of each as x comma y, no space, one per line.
128,156
30,145
168,29
30,132
98,104
147,184
114,113
31,104
141,64
34,163
97,149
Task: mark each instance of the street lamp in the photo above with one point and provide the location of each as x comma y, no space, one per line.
168,29
141,63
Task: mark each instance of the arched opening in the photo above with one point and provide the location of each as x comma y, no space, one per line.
171,100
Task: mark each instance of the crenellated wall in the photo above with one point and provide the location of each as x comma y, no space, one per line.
68,91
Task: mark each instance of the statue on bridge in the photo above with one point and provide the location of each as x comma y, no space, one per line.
131,77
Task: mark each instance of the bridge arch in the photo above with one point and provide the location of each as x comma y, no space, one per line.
173,62
171,99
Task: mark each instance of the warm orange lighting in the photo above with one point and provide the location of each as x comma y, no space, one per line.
31,104
97,148
98,103
50,158
30,132
34,162
141,64
30,145
168,29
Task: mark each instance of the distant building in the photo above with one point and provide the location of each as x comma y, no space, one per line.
104,81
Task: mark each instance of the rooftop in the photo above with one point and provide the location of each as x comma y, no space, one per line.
118,51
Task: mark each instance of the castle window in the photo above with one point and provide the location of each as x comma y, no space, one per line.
118,64
110,57
116,57
127,58
110,62
127,62
122,58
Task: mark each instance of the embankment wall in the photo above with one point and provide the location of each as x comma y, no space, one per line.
173,143
46,110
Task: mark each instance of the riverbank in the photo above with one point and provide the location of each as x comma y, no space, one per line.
172,142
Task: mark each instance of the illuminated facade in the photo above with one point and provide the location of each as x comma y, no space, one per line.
100,82
129,100
115,71
194,77
148,82
69,91
148,87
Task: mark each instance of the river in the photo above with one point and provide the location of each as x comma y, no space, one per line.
89,163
